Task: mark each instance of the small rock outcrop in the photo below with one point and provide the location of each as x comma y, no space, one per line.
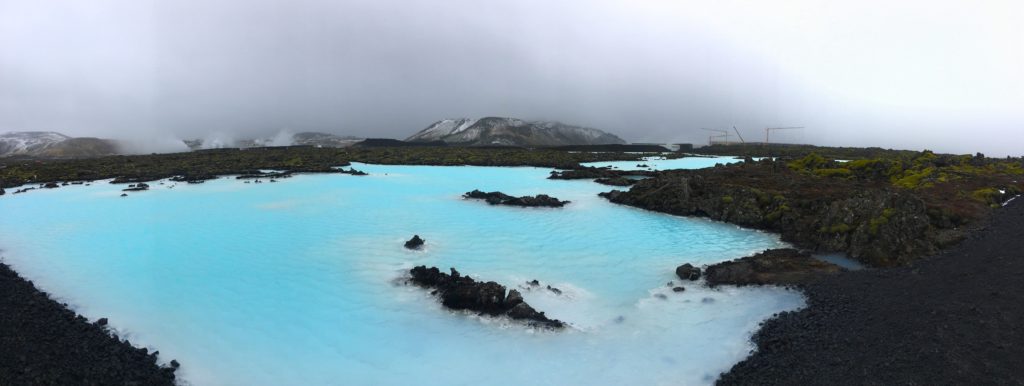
488,298
590,172
499,198
774,266
195,178
354,172
136,187
615,181
415,242
51,185
688,272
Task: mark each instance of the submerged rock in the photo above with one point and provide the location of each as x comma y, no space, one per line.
499,198
463,293
688,272
774,266
415,242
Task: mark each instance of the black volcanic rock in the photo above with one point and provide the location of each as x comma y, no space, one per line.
194,178
590,172
616,181
415,242
877,225
44,343
257,174
499,198
785,266
136,187
51,185
950,319
488,298
688,272
354,172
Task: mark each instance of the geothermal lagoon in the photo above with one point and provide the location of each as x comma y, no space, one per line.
300,282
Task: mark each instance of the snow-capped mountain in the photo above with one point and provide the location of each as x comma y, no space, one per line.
28,142
52,145
511,132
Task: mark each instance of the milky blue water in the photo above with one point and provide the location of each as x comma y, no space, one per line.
298,282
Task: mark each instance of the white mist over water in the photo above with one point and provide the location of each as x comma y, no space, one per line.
298,282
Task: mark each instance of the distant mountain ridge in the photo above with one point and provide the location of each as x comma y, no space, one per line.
308,138
50,144
511,132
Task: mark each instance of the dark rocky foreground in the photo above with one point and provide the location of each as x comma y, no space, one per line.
954,318
499,198
44,343
488,298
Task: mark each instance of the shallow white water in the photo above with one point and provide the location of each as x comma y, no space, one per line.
294,283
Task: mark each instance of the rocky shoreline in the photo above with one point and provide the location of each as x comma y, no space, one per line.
954,318
44,343
880,221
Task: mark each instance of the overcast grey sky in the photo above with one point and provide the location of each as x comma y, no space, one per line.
945,75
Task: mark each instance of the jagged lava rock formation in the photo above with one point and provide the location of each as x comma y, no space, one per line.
499,198
488,298
784,266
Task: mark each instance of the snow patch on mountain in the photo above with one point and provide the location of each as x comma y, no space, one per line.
28,142
511,132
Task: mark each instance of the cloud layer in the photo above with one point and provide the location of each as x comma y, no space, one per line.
915,74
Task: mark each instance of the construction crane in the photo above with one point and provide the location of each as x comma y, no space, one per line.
711,138
768,131
738,134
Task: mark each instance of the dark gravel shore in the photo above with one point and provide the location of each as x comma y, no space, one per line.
44,343
955,318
